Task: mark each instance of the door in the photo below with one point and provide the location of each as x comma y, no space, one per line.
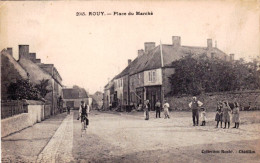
153,101
70,104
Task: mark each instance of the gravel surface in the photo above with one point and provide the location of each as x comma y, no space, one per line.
127,137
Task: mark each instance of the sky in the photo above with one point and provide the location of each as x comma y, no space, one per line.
90,50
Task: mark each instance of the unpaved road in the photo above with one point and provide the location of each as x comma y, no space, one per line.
129,138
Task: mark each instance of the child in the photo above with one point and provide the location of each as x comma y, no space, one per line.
219,114
235,112
203,117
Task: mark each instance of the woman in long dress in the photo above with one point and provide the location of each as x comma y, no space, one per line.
226,114
236,118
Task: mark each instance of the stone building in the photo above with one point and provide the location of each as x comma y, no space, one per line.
72,97
97,100
146,77
108,96
11,71
35,71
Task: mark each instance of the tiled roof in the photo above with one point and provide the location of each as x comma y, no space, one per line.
16,65
74,93
152,60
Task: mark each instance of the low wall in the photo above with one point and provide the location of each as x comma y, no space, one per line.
209,101
47,111
18,122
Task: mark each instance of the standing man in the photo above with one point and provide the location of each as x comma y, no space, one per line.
194,105
147,109
158,108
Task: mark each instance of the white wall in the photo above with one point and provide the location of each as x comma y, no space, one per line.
18,122
158,77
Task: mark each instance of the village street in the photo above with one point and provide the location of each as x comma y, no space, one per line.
127,137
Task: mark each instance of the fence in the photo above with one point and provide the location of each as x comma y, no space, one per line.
13,107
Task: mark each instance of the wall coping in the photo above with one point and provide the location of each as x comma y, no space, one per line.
33,102
217,93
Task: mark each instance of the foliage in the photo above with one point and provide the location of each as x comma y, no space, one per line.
23,89
42,87
194,76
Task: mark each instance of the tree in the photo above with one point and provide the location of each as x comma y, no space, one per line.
22,89
194,76
42,87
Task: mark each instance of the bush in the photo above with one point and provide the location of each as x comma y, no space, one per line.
23,89
195,76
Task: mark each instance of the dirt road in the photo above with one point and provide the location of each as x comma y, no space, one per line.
129,138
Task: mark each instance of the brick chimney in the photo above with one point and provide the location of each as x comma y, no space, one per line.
32,57
140,52
176,41
148,46
10,51
38,61
231,57
209,43
23,51
129,61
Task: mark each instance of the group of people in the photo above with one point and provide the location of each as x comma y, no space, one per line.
224,113
147,109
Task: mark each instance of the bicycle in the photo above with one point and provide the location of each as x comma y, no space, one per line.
84,123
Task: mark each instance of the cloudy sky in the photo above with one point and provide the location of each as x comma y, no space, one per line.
88,50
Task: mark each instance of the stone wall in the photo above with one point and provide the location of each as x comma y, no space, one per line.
245,99
16,123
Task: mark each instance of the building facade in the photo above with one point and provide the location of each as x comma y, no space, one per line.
148,74
72,97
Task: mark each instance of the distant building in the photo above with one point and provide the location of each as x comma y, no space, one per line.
109,95
72,97
146,77
97,99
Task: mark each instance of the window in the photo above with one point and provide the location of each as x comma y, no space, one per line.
152,76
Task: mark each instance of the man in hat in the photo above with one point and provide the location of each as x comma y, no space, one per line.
83,112
194,105
158,108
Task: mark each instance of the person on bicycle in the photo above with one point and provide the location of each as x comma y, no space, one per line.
83,112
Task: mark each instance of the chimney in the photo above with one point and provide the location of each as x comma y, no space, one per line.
176,41
129,61
231,57
148,46
10,51
209,43
140,52
32,57
38,61
23,51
